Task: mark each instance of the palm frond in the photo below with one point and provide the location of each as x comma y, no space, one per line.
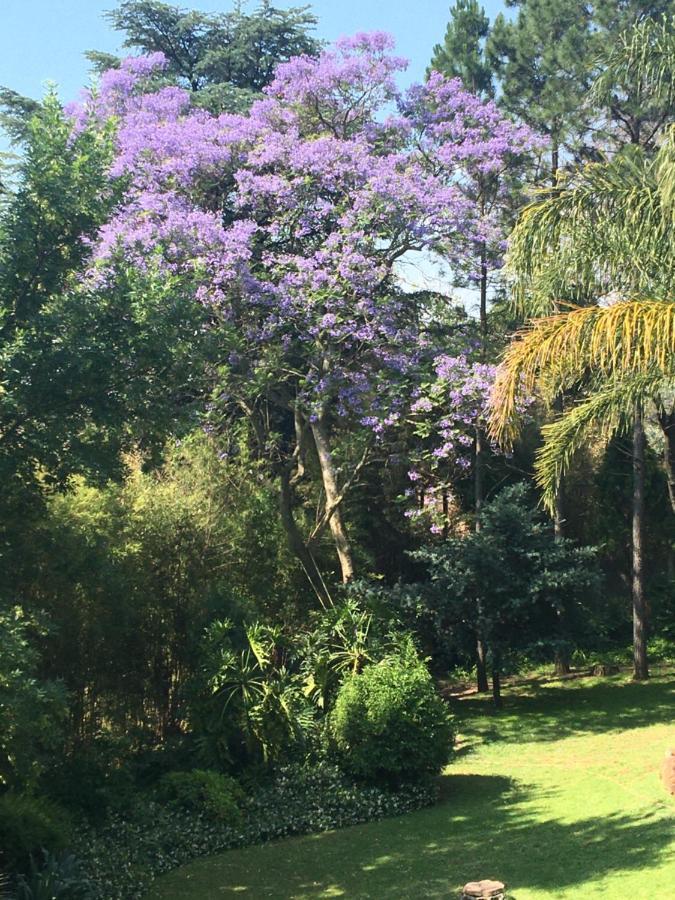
557,352
642,55
664,169
601,415
605,228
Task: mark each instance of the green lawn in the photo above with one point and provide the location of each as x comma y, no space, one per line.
558,795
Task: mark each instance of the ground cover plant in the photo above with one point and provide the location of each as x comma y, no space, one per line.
559,793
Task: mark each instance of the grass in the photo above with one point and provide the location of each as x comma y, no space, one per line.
558,795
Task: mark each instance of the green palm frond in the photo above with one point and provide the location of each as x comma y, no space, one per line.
238,679
593,257
605,228
642,55
602,414
351,647
664,169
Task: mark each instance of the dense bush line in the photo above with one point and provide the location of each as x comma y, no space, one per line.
260,712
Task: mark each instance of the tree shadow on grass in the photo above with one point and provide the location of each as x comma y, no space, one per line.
544,713
483,827
501,837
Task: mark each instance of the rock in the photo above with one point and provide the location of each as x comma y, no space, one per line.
603,669
484,890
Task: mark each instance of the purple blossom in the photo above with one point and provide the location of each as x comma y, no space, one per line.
288,222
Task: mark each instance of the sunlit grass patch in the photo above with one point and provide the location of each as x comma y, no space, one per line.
556,794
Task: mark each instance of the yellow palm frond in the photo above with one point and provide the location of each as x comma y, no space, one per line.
559,351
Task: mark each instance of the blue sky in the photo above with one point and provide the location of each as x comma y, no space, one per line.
44,40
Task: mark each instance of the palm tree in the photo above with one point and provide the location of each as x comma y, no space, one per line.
594,260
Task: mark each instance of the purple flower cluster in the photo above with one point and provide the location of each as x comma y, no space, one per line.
448,409
289,220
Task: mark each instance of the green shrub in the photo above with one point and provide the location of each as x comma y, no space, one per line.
203,790
29,825
389,724
90,783
33,711
54,878
661,650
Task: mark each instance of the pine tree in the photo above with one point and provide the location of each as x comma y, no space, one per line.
633,92
462,53
542,62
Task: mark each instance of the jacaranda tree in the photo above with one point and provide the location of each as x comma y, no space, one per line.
287,224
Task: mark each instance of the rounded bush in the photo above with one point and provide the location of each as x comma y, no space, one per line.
29,826
390,725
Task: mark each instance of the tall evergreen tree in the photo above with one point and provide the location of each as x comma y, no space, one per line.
634,88
462,53
542,61
607,229
226,58
616,15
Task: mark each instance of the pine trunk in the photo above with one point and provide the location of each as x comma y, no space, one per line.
482,683
640,625
555,162
496,679
561,659
667,422
562,663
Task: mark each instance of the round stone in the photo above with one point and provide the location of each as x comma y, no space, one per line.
483,890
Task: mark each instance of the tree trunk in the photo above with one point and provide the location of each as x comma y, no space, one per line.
667,422
483,297
559,403
562,662
555,162
296,542
496,679
640,664
479,474
559,512
561,658
333,500
559,501
482,683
